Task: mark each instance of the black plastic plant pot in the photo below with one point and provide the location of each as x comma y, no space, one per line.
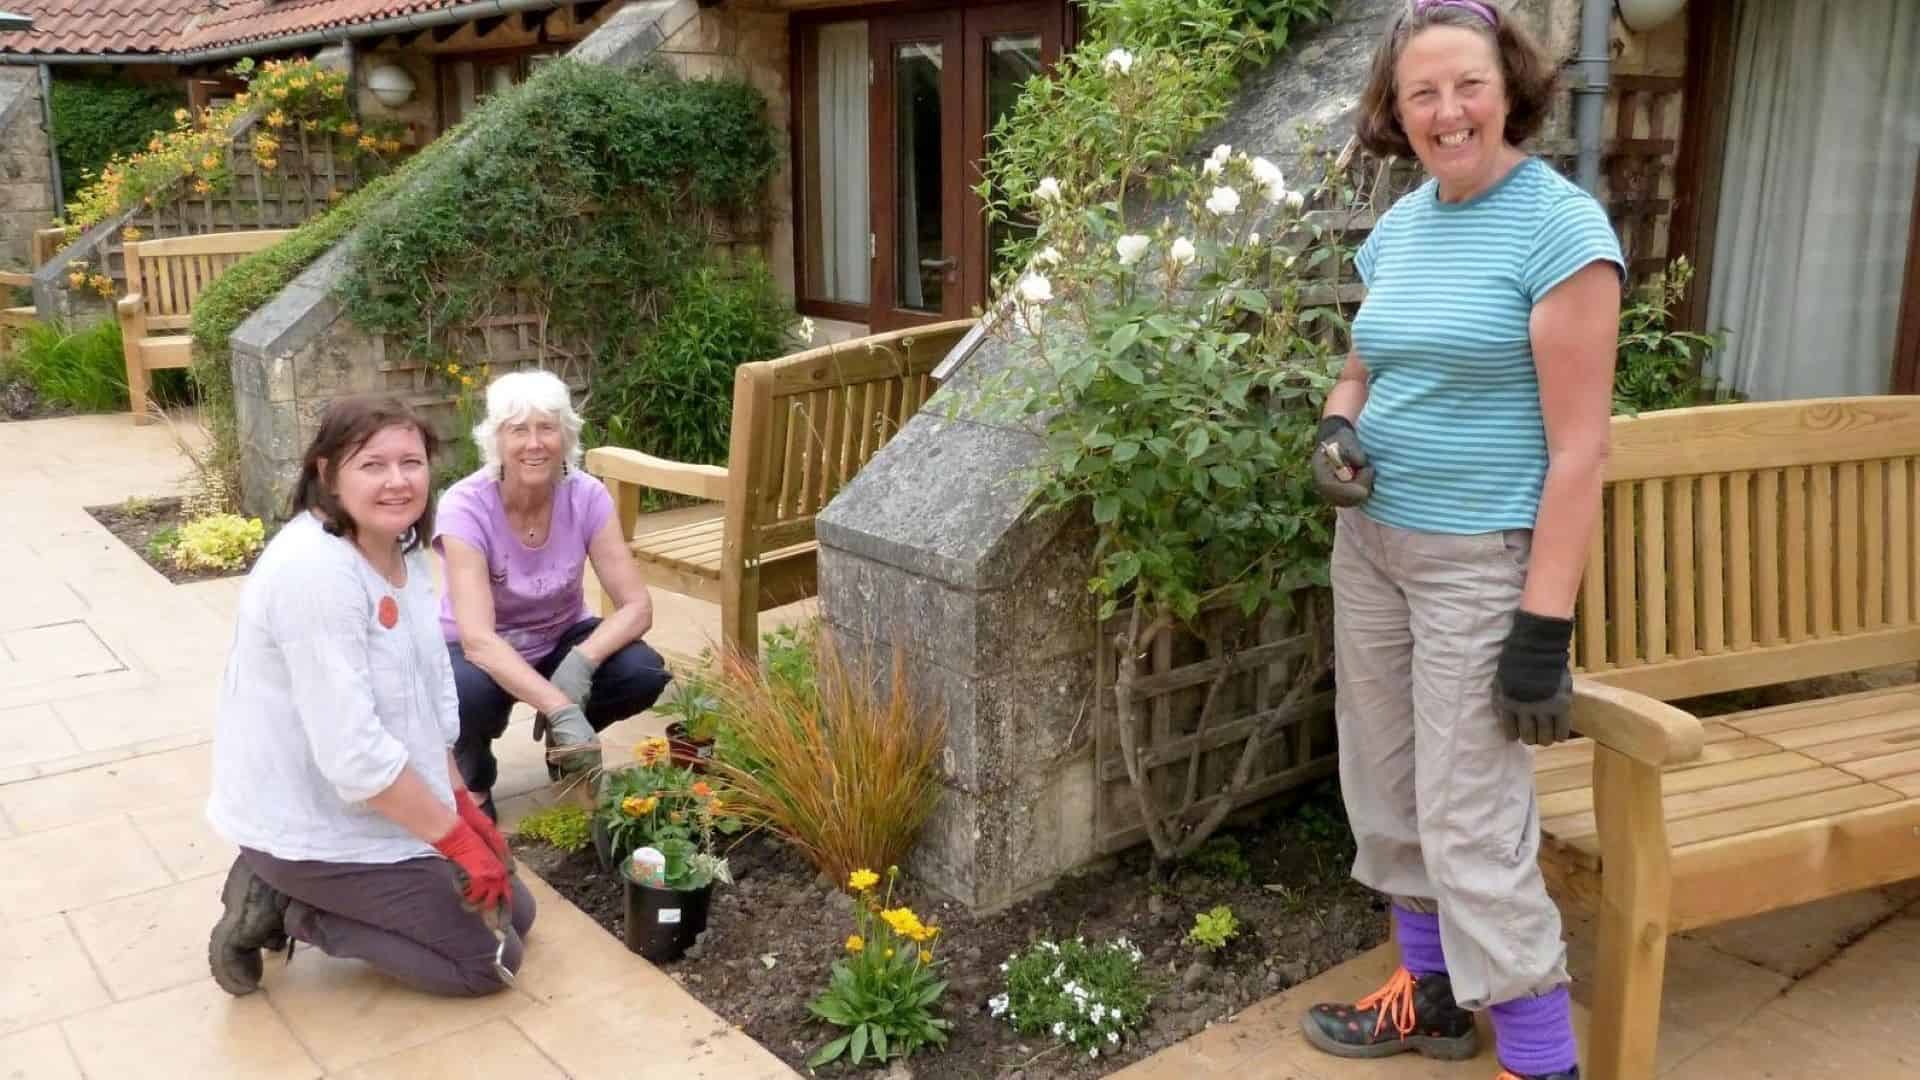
662,923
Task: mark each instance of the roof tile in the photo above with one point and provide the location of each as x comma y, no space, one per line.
151,26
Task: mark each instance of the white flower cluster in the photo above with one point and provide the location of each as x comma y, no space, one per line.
1091,1021
1273,184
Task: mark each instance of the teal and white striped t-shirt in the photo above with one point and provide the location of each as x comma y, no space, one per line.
1452,422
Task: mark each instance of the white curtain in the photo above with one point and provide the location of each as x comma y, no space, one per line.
1823,143
844,224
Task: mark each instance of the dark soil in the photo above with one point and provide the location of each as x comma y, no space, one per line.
1285,878
137,521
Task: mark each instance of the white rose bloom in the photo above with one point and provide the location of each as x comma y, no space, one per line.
1269,177
1049,256
1048,189
1130,247
1119,60
1296,202
1036,289
1223,201
1220,155
1182,251
1253,239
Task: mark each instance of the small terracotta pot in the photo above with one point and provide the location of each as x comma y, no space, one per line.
688,753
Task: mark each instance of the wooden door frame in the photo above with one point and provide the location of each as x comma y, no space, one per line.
1906,342
884,33
980,24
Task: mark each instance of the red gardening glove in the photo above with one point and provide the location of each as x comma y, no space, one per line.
485,885
471,813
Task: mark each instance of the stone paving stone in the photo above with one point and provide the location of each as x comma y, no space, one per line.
30,734
50,871
601,1035
37,1054
188,846
151,941
47,973
197,1030
107,790
346,1014
492,1051
121,717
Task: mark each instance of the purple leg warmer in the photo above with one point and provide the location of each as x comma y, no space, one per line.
1534,1035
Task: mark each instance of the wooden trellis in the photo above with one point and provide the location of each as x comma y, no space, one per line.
1640,163
1197,700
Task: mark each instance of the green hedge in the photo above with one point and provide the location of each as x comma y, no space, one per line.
98,117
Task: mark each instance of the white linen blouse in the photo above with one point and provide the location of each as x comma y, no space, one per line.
323,704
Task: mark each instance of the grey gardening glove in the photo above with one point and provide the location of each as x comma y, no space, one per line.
1340,469
574,677
1532,687
572,744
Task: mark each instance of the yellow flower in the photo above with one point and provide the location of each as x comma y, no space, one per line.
905,923
862,880
102,284
368,142
636,806
677,817
279,93
180,116
131,233
276,118
854,943
390,146
651,750
349,129
241,98
715,806
156,145
211,161
298,84
76,279
202,187
888,954
269,164
467,380
335,195
926,957
453,369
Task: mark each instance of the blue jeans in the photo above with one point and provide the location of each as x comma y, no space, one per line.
626,683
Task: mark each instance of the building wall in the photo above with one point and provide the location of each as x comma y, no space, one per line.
26,174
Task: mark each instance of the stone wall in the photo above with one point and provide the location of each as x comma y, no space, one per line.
27,198
298,353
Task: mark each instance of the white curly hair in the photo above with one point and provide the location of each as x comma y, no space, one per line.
517,395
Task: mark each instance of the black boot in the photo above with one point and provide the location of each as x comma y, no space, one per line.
255,919
1406,1015
1570,1074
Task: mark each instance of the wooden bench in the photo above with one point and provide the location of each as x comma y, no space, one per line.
1741,546
164,279
14,318
803,425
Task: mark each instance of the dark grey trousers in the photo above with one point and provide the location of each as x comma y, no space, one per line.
403,918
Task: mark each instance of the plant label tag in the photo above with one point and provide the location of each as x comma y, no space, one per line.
669,915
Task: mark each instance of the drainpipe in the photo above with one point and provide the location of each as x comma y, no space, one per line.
1592,61
53,152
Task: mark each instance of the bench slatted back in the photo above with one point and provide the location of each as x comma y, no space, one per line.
804,425
170,274
1745,545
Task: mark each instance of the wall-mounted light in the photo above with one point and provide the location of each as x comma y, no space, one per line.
1644,15
390,84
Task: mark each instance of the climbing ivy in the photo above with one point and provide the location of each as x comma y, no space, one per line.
96,118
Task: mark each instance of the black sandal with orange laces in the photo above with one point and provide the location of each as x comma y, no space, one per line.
1407,1015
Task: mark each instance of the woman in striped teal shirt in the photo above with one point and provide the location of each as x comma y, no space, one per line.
1464,444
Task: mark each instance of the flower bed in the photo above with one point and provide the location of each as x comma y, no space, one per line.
773,935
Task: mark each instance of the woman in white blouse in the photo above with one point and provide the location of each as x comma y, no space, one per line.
331,763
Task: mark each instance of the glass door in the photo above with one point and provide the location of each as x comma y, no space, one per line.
940,82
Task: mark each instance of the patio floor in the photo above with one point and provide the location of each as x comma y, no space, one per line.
109,879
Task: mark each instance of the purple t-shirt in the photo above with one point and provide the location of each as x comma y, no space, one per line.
537,592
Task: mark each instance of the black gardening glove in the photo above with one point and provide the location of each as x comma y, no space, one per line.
1533,688
1340,469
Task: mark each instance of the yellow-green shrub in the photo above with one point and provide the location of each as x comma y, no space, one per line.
218,542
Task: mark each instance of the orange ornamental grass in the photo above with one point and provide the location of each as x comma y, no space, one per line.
847,768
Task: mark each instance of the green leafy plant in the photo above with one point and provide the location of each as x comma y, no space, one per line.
1089,997
161,544
1279,18
1213,929
217,542
885,991
671,393
1222,859
76,365
694,705
655,803
1659,367
564,826
1175,369
99,117
844,766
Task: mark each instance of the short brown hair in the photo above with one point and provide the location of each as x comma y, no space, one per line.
1529,75
344,428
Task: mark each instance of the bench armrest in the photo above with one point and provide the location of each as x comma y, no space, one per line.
1646,730
13,279
130,305
621,465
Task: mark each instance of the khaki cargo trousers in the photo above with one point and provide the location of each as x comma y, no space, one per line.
1441,801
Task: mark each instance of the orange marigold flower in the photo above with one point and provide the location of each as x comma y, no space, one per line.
199,186
349,129
702,789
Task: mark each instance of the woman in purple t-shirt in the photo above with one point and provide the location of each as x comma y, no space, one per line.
516,537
